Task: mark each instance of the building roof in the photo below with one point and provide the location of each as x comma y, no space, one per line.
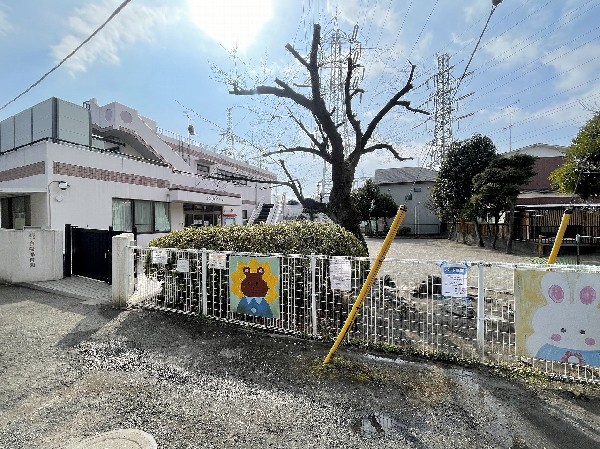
539,150
404,175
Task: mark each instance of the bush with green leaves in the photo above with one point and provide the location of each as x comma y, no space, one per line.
295,237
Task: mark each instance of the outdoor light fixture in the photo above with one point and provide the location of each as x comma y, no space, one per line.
496,2
63,185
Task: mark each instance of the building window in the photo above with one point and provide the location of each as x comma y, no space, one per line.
147,216
232,177
202,169
142,216
202,214
15,212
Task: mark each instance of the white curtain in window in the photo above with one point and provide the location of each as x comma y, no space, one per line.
161,217
143,216
121,215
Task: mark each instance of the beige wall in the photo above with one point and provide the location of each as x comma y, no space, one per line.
35,255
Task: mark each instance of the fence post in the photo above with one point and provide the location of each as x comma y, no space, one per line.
204,292
121,269
67,262
313,293
480,310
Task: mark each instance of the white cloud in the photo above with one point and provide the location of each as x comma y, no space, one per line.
577,67
5,26
233,23
512,49
380,15
476,10
133,24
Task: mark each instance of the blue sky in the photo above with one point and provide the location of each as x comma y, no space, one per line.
536,72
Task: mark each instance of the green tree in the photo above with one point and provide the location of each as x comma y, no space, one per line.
579,173
370,203
496,188
451,193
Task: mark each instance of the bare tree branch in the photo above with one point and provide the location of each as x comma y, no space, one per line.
348,100
407,105
292,184
316,151
285,91
302,61
389,105
393,102
387,146
310,135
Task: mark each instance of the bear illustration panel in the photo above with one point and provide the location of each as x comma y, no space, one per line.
558,316
254,286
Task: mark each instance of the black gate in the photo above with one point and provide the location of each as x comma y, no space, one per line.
88,252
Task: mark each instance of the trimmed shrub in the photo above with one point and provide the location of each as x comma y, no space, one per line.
295,237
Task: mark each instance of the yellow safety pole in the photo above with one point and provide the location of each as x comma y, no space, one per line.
370,278
559,236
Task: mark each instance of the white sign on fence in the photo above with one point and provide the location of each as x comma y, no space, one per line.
159,256
454,280
183,265
217,260
340,274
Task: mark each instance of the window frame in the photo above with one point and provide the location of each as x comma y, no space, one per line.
132,214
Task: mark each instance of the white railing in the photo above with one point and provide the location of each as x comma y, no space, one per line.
404,308
255,213
277,211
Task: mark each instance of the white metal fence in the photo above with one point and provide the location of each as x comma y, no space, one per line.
404,307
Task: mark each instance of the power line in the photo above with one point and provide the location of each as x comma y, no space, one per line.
112,16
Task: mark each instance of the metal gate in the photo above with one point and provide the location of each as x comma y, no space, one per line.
88,252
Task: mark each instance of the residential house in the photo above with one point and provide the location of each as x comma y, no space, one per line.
540,207
411,186
96,166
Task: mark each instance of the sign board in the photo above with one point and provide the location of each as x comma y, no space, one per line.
340,274
183,266
454,280
217,261
159,256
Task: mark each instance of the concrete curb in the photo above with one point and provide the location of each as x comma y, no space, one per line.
118,439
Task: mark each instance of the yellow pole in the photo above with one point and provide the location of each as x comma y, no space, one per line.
370,278
559,236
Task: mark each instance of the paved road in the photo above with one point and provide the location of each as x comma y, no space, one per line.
71,369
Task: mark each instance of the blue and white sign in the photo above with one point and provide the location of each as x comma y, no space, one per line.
454,280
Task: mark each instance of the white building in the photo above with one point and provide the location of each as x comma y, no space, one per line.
411,186
98,166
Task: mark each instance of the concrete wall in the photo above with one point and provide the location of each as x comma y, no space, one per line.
31,255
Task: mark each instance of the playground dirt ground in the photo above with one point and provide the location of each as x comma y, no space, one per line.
70,369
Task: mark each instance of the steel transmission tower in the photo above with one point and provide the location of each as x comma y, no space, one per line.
442,115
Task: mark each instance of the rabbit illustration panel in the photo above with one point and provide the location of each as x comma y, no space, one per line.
558,316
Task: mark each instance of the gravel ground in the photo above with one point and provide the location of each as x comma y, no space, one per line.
71,370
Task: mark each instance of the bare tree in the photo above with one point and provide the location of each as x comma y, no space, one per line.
327,142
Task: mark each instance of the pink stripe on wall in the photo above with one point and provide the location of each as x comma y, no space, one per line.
25,171
78,171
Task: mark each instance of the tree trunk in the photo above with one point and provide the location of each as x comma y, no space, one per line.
341,208
478,233
496,230
511,228
452,228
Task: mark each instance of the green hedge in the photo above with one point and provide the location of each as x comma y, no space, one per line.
296,237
